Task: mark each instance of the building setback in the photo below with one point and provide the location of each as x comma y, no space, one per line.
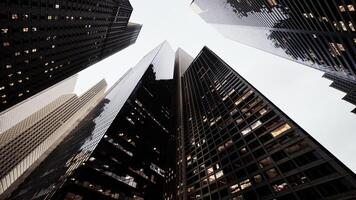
345,86
42,43
320,34
26,144
238,145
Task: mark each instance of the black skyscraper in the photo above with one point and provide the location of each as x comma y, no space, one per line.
44,42
318,33
238,145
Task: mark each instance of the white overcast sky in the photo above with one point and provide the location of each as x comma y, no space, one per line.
296,89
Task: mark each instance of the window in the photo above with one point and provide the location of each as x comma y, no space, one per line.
234,188
272,173
6,44
265,162
280,187
281,129
25,29
272,2
246,131
342,24
8,66
14,16
351,26
351,7
56,6
219,174
34,29
243,97
342,8
245,184
256,124
4,30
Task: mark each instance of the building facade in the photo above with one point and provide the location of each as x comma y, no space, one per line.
43,43
238,145
320,34
25,145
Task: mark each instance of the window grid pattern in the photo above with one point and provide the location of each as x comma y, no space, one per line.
239,145
44,42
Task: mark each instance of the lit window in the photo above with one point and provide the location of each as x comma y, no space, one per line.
53,46
20,81
25,16
34,50
278,131
210,170
3,96
25,29
6,44
2,87
211,178
20,94
256,124
245,184
342,24
351,7
4,30
351,26
17,53
8,66
246,131
342,8
272,2
262,111
280,187
354,40
26,51
4,102
247,94
14,16
49,17
56,6
219,174
234,188
34,29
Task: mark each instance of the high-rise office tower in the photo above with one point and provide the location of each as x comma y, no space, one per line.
25,145
42,43
238,145
11,117
320,34
205,133
124,149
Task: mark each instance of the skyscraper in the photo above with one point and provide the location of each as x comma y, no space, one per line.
122,148
320,34
238,145
199,131
42,43
25,145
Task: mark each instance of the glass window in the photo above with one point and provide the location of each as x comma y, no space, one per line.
281,129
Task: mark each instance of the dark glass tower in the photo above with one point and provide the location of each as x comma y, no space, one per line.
240,146
44,42
320,34
125,149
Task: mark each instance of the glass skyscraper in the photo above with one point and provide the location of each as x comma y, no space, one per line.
44,42
320,34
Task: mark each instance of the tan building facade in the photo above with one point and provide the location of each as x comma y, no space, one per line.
26,144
